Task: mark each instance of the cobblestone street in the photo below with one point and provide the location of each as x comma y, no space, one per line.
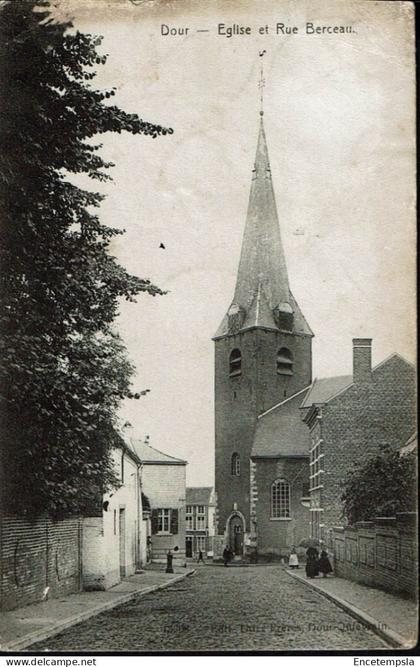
254,608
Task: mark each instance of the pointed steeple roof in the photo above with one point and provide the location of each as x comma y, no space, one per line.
262,292
262,258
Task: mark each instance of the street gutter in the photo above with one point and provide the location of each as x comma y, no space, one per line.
394,638
64,624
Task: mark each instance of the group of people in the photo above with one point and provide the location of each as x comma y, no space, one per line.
315,563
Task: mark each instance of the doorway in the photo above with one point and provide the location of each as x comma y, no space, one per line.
236,535
188,547
122,542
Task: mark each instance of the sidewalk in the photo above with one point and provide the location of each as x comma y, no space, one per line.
24,626
392,617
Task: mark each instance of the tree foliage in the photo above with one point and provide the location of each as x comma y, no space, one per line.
386,484
63,368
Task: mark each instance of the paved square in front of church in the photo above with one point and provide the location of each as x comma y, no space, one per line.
227,609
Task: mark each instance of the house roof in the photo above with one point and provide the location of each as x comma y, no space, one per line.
149,455
281,432
325,388
199,495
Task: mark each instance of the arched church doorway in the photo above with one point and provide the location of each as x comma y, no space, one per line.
236,534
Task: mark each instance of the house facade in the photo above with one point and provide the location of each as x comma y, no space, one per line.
163,480
114,540
263,361
199,521
350,418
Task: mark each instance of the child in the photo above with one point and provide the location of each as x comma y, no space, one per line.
293,559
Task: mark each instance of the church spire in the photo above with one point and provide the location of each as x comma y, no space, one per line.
262,294
262,260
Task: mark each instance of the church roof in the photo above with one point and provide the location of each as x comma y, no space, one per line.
262,283
199,495
325,388
262,261
149,455
280,431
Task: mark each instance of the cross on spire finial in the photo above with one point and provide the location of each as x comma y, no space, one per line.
261,83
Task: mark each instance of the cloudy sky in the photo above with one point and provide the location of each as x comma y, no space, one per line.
339,119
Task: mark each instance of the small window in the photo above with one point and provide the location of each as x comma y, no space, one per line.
284,362
280,499
235,363
189,518
164,520
201,517
236,465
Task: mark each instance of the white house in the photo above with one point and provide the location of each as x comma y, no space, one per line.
115,542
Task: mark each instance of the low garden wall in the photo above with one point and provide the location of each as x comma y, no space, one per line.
381,553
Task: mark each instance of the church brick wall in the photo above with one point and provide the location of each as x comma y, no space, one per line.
235,417
276,537
357,423
381,553
239,400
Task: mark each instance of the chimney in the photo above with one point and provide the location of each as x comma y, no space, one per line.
362,360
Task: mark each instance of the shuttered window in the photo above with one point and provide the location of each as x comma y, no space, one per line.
284,362
235,363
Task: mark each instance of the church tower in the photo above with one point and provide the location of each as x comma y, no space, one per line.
262,351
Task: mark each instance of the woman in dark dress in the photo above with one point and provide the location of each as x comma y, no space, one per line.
324,563
312,566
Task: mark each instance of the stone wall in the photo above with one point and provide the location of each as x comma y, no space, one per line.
381,553
37,556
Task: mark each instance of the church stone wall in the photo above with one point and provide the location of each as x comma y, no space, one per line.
277,536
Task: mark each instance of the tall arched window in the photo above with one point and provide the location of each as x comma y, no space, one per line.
235,465
235,363
284,362
280,499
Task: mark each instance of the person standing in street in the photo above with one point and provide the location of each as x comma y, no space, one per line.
226,556
312,565
293,559
324,563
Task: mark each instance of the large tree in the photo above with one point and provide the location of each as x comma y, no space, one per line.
63,369
384,485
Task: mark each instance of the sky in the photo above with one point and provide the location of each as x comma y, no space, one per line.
339,121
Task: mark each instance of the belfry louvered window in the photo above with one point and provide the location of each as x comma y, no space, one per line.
235,465
280,499
284,362
235,363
